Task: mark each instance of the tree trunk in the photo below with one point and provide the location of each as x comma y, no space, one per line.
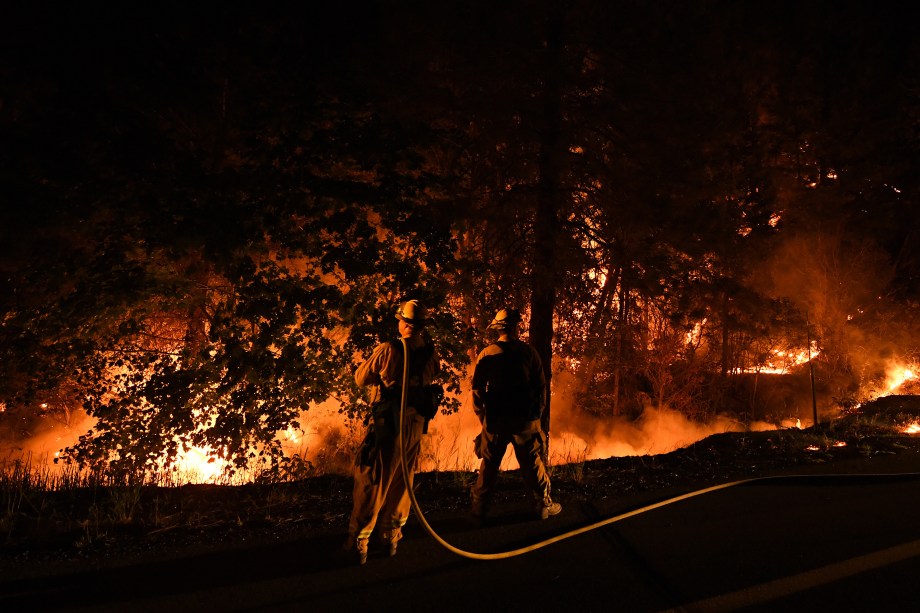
726,339
622,327
596,330
543,276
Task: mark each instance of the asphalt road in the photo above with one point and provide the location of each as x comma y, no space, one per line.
823,543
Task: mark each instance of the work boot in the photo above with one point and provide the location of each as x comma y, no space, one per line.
352,550
478,511
361,548
390,538
547,508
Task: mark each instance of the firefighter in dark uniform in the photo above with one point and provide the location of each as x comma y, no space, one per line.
380,493
509,397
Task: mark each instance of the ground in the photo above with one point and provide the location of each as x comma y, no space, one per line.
111,526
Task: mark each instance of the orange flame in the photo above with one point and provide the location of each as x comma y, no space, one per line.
896,377
196,466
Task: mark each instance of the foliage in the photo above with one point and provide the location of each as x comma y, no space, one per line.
212,301
205,240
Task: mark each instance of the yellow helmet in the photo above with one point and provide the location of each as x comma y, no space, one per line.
505,318
411,312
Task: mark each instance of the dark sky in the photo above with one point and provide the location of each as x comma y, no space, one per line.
79,84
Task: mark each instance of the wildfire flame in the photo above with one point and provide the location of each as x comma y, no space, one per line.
197,466
782,361
896,377
326,439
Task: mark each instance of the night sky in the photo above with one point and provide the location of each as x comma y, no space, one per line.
92,95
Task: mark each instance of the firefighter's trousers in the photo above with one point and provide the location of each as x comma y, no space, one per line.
528,443
379,487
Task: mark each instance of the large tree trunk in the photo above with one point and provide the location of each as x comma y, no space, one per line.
726,338
622,326
544,275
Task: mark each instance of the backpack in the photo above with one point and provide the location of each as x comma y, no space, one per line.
424,398
509,394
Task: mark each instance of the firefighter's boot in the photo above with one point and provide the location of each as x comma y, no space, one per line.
390,539
361,548
479,511
547,508
352,550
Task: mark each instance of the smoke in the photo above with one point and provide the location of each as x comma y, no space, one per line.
579,436
51,435
842,286
327,438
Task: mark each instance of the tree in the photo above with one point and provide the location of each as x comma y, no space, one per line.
223,221
214,287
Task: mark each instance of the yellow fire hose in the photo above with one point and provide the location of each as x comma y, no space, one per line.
561,537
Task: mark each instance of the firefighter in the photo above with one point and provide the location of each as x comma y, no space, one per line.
380,492
509,397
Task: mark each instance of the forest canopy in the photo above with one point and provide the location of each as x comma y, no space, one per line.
211,214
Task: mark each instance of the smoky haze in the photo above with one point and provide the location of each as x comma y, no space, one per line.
842,287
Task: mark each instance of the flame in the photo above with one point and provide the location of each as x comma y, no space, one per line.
196,465
896,377
695,334
913,428
781,362
293,436
327,439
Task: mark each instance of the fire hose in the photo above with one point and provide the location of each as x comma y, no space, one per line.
555,539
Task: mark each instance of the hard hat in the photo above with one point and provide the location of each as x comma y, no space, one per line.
412,313
505,318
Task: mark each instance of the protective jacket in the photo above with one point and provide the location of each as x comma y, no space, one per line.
509,397
379,487
383,371
509,386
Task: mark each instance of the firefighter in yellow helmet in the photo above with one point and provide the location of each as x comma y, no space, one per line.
509,397
380,492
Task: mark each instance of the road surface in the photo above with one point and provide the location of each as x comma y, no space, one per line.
824,543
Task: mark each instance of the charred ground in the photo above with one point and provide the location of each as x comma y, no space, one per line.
109,525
